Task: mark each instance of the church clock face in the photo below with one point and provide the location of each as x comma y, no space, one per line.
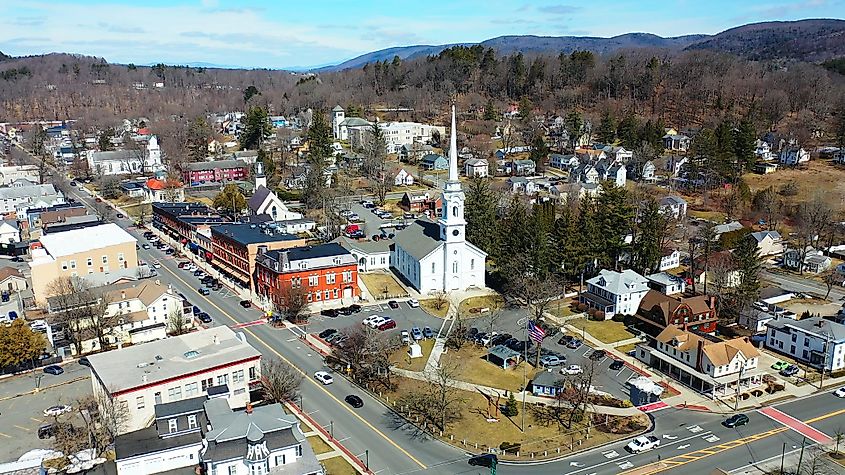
455,232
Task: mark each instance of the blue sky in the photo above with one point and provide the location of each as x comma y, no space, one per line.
296,33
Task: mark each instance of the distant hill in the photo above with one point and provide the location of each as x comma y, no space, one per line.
4,57
404,52
567,44
804,40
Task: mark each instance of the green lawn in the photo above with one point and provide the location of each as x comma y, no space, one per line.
319,445
606,331
473,368
471,307
338,466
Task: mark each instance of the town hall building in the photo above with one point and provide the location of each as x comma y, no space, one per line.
435,256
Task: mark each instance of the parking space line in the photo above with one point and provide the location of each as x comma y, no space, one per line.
40,421
23,428
6,436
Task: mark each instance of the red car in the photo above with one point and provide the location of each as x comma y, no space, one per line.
387,325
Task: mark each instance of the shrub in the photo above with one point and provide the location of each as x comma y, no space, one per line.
599,315
511,409
510,446
618,317
591,312
581,307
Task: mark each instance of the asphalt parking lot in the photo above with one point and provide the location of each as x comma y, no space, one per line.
405,316
21,409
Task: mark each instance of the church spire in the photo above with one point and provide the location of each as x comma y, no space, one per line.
453,150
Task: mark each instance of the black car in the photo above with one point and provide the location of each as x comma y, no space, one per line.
483,460
84,361
427,332
472,332
198,273
597,355
204,317
203,291
355,308
736,420
345,311
790,370
617,365
354,401
246,303
327,333
393,304
17,259
565,339
54,370
510,341
329,312
46,431
498,339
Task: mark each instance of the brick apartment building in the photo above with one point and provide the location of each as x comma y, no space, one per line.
216,171
234,247
327,272
689,314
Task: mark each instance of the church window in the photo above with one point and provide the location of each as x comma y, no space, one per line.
455,233
455,211
472,264
432,267
455,267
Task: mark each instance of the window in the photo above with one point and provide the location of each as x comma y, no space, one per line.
317,295
192,421
240,391
455,267
432,267
222,379
299,451
139,402
64,265
73,264
158,398
806,341
252,373
334,292
172,426
347,275
120,257
191,390
233,470
472,264
313,281
105,259
175,393
794,338
330,278
90,262
280,459
328,295
238,376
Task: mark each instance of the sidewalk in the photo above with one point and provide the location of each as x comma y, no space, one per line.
615,411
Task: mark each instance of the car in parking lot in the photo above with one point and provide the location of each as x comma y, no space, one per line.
428,333
203,291
574,344
736,420
246,303
565,339
393,304
354,401
46,431
369,320
572,369
387,324
84,361
145,246
330,312
406,337
327,333
790,370
55,370
617,365
780,365
643,443
56,411
597,355
416,333
413,303
550,361
323,377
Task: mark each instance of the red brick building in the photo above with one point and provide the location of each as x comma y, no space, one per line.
689,314
216,171
326,273
234,247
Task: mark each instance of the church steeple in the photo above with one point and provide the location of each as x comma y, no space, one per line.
452,222
453,150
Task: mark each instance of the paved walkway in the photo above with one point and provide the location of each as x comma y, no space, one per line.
616,411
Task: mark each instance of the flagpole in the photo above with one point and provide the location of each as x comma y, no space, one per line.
524,369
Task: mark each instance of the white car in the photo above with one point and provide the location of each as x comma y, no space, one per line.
378,320
406,338
56,411
157,264
643,443
413,303
572,369
369,320
323,377
345,212
839,392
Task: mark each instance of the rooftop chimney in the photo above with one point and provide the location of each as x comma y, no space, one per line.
123,295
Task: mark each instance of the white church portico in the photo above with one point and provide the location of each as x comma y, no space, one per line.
436,256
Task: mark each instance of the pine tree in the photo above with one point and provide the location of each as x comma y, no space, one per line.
747,259
651,234
627,132
490,111
744,143
480,213
256,127
539,151
230,199
614,216
574,127
511,408
104,141
607,128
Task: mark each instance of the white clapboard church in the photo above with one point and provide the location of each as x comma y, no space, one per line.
435,256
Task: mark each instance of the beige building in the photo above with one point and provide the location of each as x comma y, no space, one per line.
214,362
94,250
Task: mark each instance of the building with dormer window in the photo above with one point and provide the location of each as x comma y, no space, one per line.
615,292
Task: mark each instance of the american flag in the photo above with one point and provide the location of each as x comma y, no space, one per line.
535,333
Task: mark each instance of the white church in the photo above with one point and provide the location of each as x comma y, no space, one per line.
436,256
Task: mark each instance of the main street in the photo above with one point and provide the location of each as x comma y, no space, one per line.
690,440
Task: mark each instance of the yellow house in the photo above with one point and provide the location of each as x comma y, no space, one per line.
80,252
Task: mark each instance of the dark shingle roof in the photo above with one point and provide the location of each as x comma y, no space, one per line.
258,198
419,239
179,407
249,234
147,441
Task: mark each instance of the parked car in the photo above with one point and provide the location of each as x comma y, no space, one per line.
327,333
483,460
378,321
572,369
416,333
780,365
204,317
387,324
393,304
55,370
413,303
790,370
500,339
203,291
56,411
406,337
355,308
550,360
330,312
428,333
617,365
354,401
565,339
597,355
46,431
839,392
643,443
196,310
369,320
345,311
574,344
736,420
145,246
246,303
84,361
323,377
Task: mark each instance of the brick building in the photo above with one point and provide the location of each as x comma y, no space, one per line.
234,247
216,171
689,314
327,272
189,223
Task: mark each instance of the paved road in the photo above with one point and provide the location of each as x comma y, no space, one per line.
796,283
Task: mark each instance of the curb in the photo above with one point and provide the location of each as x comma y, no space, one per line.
35,391
299,412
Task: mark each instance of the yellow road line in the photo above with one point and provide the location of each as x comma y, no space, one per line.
306,376
733,444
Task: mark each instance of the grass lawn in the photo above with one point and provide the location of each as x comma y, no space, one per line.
715,216
338,466
400,358
138,209
319,445
474,369
429,305
199,199
606,331
626,348
493,302
537,438
383,285
561,308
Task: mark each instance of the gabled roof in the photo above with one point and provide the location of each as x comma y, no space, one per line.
760,235
419,239
8,271
258,198
619,283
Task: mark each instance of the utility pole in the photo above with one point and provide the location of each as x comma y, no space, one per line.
738,379
801,457
824,361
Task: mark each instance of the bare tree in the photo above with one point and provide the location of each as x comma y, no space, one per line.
103,420
367,353
439,402
70,299
814,218
440,299
279,381
178,323
291,303
102,324
831,278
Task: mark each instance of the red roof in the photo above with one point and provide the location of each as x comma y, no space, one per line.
144,131
156,184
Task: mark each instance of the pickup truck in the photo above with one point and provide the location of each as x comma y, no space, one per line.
643,443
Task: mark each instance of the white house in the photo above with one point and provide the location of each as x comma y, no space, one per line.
615,292
215,360
676,142
619,154
11,173
264,201
476,168
666,283
9,232
711,367
123,162
397,134
520,184
370,255
18,199
794,156
814,260
770,243
617,174
563,162
401,177
674,206
758,315
814,341
648,171
669,259
436,256
763,151
164,191
675,164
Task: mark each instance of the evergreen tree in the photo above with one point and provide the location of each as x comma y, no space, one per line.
651,235
627,131
250,92
607,128
319,139
747,260
268,164
256,127
197,141
614,216
104,141
480,213
588,236
490,112
511,408
574,127
230,199
744,142
525,107
539,151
